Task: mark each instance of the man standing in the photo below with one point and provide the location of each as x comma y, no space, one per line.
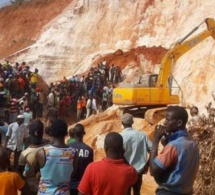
85,157
56,162
175,168
51,98
100,177
40,103
16,137
52,114
14,109
34,78
104,100
136,146
89,106
79,108
94,105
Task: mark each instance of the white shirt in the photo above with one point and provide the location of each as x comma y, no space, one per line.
51,99
16,136
94,106
88,106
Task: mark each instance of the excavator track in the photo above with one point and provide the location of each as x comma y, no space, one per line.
152,114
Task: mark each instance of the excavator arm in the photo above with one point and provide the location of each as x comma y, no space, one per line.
152,100
180,48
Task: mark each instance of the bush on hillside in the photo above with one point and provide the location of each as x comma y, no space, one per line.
204,133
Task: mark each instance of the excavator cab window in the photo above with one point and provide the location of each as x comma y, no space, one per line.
153,80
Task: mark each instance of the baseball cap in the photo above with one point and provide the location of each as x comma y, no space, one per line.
20,116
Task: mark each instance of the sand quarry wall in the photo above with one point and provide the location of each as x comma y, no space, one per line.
71,36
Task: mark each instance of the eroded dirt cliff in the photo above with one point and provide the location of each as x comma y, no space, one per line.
21,25
86,30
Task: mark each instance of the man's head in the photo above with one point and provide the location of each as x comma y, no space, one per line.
20,119
36,131
113,145
58,129
194,111
79,131
176,118
4,159
27,110
127,120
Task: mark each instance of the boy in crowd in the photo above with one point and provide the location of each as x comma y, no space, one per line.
85,157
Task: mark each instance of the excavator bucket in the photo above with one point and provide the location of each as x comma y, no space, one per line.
153,116
211,26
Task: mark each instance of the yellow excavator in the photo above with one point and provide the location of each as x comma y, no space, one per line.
154,91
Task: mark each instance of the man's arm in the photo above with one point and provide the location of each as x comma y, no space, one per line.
75,164
25,189
6,141
22,163
40,160
155,170
8,134
20,184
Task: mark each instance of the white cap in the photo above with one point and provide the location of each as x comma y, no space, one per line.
20,116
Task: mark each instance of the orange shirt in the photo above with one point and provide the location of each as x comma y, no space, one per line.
84,102
79,104
10,183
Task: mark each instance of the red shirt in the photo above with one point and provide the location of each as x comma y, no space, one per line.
107,177
21,83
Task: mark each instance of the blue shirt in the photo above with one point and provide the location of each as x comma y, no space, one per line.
180,161
56,173
136,146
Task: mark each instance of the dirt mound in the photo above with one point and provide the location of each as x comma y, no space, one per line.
20,25
122,59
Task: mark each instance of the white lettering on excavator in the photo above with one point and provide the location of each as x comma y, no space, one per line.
118,96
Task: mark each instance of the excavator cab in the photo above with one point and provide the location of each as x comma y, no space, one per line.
148,80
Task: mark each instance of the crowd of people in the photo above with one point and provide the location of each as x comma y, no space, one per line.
41,166
57,167
81,94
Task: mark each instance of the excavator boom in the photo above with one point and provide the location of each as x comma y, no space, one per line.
181,48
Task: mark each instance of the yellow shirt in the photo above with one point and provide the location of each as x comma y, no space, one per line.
34,77
10,182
